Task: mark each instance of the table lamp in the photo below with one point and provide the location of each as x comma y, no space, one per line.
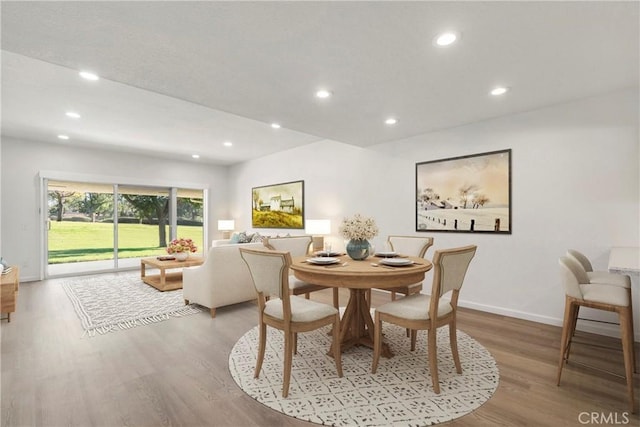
226,226
318,228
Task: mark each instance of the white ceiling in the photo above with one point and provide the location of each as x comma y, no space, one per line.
183,77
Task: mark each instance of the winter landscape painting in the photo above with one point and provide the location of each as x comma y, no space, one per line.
465,194
278,206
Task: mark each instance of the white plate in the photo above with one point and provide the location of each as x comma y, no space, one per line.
327,254
397,262
323,260
386,254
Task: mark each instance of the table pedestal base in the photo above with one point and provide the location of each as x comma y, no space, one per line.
356,326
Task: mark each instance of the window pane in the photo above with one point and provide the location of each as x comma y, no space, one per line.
143,221
79,228
190,216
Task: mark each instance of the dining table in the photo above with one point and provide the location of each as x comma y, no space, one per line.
360,276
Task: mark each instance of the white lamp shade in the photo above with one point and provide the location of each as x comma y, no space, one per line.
226,225
318,227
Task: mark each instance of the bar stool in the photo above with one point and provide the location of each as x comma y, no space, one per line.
581,293
606,278
599,276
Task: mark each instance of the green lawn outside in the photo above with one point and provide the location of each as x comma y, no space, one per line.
93,241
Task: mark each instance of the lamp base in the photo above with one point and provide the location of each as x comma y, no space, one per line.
317,243
226,234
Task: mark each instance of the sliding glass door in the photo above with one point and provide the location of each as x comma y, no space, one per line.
143,223
79,226
94,227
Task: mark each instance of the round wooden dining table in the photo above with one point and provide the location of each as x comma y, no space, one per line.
356,326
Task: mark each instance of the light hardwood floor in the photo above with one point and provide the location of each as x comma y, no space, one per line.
175,372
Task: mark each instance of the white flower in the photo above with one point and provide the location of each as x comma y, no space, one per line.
358,228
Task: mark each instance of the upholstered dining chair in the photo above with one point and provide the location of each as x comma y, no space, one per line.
580,292
412,246
291,314
429,312
298,246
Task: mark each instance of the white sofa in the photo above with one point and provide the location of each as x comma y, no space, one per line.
222,280
224,242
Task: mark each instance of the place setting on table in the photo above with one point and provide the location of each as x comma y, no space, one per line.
387,258
327,258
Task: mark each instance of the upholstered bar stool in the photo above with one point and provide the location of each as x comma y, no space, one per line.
599,276
581,293
606,278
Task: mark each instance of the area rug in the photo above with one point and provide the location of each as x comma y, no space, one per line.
111,302
399,394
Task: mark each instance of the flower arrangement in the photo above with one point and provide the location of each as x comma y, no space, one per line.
358,228
177,246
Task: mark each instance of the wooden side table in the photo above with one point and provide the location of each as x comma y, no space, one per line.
8,291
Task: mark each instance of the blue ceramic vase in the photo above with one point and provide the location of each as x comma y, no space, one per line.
358,249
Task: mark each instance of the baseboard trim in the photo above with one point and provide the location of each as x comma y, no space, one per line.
596,328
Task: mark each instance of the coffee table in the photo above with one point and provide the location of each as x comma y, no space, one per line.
166,281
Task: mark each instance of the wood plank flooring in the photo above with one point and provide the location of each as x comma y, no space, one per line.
174,373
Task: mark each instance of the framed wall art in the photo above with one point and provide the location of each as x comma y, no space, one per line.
278,206
467,194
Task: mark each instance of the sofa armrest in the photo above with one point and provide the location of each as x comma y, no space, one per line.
222,280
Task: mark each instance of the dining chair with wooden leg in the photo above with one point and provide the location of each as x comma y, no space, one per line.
298,246
579,292
429,312
291,314
412,246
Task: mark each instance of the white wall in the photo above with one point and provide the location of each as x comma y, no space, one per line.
575,184
22,161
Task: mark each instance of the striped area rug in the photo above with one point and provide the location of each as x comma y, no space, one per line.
112,302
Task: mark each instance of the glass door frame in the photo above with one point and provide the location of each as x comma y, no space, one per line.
46,176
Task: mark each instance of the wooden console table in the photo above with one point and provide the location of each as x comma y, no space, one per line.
8,291
166,281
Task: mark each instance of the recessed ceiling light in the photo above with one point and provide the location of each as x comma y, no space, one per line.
65,137
500,90
446,39
195,156
87,75
275,125
391,121
323,93
72,114
227,143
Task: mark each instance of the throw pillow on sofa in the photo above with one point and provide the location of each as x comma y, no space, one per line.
243,237
257,238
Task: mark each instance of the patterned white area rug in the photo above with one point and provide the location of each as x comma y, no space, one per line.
111,302
399,394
